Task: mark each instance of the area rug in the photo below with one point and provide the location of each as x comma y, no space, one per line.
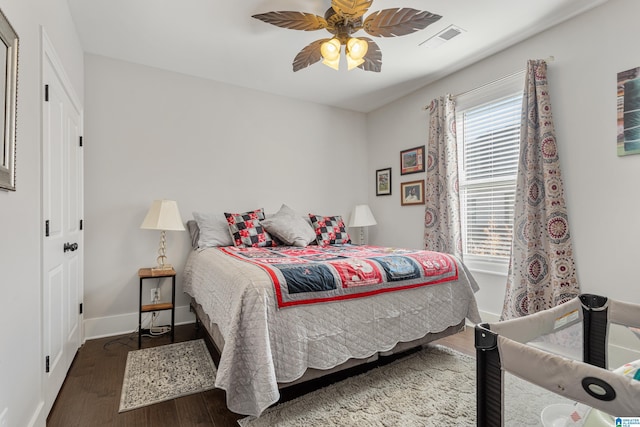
166,372
433,387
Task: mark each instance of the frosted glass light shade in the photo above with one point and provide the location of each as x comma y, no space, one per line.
335,63
330,51
355,52
357,48
353,63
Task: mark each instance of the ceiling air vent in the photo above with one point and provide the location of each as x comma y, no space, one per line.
443,36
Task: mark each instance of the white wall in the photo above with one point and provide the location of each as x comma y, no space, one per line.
211,147
152,134
21,359
601,188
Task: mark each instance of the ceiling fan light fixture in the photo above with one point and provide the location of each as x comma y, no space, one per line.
330,51
355,51
346,17
353,63
356,48
332,63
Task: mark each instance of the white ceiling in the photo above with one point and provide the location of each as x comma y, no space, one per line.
219,40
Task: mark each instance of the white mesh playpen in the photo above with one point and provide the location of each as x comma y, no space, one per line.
525,347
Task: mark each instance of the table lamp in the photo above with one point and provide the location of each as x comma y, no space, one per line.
361,216
163,215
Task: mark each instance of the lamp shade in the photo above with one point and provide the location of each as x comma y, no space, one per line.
330,51
357,48
361,217
163,215
353,63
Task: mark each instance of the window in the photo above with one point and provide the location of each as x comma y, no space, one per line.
488,130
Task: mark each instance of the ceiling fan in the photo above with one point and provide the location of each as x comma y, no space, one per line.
342,19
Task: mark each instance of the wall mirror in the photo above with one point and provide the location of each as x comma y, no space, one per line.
8,92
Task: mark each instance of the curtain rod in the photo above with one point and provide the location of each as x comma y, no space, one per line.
549,59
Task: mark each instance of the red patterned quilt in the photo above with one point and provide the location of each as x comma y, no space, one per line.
321,274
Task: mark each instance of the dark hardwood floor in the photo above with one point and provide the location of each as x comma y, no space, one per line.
90,395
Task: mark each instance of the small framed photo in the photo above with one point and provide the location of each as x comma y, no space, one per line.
383,182
628,111
412,160
412,193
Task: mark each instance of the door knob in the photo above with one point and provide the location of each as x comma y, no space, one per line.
70,247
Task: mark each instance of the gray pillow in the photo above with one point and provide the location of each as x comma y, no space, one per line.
289,227
214,230
194,232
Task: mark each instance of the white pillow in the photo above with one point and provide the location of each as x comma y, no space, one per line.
289,227
214,230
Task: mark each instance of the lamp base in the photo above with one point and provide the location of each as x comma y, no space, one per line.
162,268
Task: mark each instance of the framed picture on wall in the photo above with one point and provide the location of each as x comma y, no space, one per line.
383,182
628,106
8,92
412,193
412,160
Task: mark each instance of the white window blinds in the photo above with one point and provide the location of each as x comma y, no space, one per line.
489,140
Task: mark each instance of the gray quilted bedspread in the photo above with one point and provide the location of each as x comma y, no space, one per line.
265,345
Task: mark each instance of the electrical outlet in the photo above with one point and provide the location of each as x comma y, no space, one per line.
155,294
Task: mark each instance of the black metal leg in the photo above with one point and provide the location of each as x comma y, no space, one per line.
489,378
140,316
173,308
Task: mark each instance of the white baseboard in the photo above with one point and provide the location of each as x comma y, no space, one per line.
489,317
99,327
39,418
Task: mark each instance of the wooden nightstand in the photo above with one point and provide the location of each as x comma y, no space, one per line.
148,273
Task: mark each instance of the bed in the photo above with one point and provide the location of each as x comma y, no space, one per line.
272,330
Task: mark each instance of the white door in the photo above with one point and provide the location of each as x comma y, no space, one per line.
62,207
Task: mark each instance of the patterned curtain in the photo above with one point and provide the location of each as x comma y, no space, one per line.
442,229
542,271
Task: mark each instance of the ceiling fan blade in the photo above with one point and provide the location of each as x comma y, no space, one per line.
397,22
293,20
351,8
308,56
373,58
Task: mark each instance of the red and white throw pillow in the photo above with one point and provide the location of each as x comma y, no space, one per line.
330,230
246,230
